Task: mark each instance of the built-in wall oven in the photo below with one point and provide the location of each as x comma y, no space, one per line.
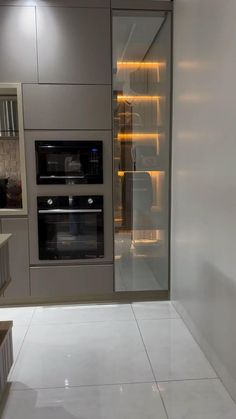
70,227
69,162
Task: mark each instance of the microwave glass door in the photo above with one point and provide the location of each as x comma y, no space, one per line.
69,162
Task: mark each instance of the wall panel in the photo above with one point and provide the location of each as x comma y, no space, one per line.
204,171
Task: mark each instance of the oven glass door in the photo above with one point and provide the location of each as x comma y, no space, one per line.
70,234
69,162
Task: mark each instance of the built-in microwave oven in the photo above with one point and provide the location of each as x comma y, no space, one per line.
69,162
70,227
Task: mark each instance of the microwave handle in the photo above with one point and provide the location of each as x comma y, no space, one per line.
65,211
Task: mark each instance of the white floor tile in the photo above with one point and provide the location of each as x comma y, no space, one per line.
134,401
92,346
81,354
173,353
82,313
154,310
19,315
200,399
18,335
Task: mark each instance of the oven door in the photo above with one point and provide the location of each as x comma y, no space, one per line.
69,162
70,234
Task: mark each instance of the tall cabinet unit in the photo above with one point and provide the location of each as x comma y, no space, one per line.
141,135
92,71
65,76
71,103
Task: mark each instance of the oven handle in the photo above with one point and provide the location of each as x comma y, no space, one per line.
61,177
64,211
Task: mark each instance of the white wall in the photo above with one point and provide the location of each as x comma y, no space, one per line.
204,177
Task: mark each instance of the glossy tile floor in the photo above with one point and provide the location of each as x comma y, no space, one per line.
109,361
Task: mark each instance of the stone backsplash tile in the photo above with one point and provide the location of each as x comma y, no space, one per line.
10,159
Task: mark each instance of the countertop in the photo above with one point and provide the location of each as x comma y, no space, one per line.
4,239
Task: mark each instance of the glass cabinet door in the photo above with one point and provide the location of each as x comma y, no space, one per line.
141,127
12,153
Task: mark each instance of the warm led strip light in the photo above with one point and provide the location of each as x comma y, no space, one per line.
131,64
137,136
121,173
121,98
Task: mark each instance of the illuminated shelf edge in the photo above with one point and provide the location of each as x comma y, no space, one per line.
122,172
121,98
141,135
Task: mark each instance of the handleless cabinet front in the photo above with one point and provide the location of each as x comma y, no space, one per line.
74,45
67,107
61,3
71,281
18,61
74,3
18,257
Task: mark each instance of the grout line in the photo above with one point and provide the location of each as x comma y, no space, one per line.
86,386
20,348
198,344
143,343
115,384
176,380
23,340
149,360
161,318
64,323
162,400
31,319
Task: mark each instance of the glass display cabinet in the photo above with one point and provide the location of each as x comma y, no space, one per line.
12,154
141,129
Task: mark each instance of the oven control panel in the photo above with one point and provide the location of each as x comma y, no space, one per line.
82,202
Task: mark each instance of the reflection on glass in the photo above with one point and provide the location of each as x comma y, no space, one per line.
141,112
10,173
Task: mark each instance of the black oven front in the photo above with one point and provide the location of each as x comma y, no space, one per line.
69,162
70,227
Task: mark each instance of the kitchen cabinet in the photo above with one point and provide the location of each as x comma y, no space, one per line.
74,45
71,281
17,3
67,107
18,257
6,353
18,44
12,151
5,277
